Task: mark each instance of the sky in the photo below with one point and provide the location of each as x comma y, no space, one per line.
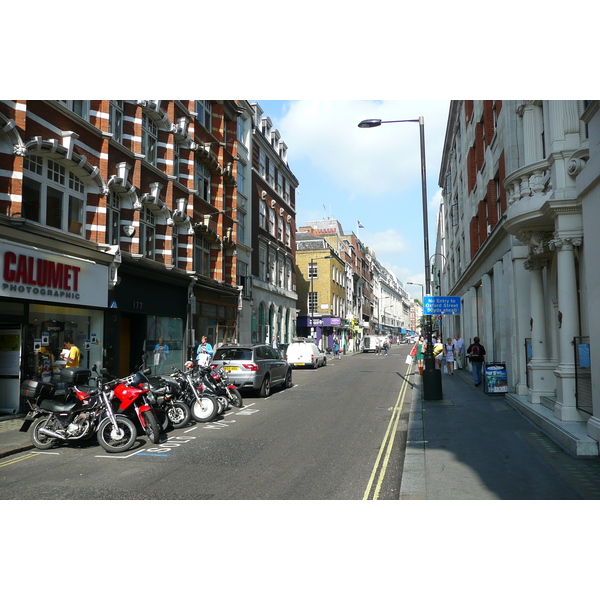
372,176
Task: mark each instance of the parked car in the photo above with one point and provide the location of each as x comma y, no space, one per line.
305,354
254,367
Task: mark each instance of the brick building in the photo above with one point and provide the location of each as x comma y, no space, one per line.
117,228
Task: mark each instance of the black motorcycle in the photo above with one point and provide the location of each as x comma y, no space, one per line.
77,416
167,394
203,405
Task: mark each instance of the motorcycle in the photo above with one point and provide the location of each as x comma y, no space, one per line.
78,417
135,398
204,406
167,392
216,380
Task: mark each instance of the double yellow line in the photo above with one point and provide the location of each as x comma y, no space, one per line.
388,443
19,458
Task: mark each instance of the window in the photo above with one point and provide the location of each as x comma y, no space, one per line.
312,302
262,214
79,107
241,227
147,231
149,139
262,163
279,187
312,271
272,274
176,159
241,131
117,109
204,110
202,257
288,235
288,274
52,195
280,228
243,279
202,180
271,177
175,247
272,222
113,218
241,177
286,193
262,262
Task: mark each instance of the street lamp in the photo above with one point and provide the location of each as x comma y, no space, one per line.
432,378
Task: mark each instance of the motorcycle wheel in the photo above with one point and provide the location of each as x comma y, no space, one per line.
41,441
116,440
179,415
152,428
207,411
236,398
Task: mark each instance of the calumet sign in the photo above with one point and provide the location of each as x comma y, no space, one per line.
33,274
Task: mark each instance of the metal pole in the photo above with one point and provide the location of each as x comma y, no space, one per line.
432,378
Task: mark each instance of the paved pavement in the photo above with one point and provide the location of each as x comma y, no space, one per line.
474,446
467,446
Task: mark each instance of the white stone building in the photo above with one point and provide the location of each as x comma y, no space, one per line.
511,243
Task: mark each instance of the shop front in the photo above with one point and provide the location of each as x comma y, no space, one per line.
45,298
147,321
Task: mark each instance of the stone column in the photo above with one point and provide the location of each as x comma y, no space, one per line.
541,378
568,327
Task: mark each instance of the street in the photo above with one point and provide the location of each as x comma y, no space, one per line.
339,433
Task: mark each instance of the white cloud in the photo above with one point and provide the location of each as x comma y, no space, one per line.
367,162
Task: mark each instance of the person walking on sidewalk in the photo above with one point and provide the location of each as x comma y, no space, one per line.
459,351
476,352
449,356
420,355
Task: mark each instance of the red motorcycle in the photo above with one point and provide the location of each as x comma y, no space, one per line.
133,396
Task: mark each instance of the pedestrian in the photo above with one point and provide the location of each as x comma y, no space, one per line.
73,357
204,352
438,353
377,346
386,346
459,351
476,352
420,355
449,356
161,351
336,348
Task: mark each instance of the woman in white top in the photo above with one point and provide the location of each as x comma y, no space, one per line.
449,356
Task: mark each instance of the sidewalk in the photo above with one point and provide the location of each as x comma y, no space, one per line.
11,439
472,446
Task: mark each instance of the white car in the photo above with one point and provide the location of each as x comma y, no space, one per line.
305,354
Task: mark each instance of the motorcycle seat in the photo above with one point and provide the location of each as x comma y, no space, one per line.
59,407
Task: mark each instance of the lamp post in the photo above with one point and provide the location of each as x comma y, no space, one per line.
432,378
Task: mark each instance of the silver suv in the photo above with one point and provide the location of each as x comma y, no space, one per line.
254,367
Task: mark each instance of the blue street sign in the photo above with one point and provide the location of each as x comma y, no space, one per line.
441,305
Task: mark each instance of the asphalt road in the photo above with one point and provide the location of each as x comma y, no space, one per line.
339,433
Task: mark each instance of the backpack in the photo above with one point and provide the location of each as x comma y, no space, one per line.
474,353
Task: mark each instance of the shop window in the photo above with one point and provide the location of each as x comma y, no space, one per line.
52,195
49,326
168,333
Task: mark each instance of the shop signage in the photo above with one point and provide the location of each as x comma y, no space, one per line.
495,379
31,274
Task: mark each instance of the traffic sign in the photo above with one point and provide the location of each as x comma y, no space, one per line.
441,305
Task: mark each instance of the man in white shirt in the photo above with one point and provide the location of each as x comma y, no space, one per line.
459,351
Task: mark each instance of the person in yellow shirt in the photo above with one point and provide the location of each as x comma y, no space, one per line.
74,357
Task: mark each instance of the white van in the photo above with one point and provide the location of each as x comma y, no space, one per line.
369,343
305,353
